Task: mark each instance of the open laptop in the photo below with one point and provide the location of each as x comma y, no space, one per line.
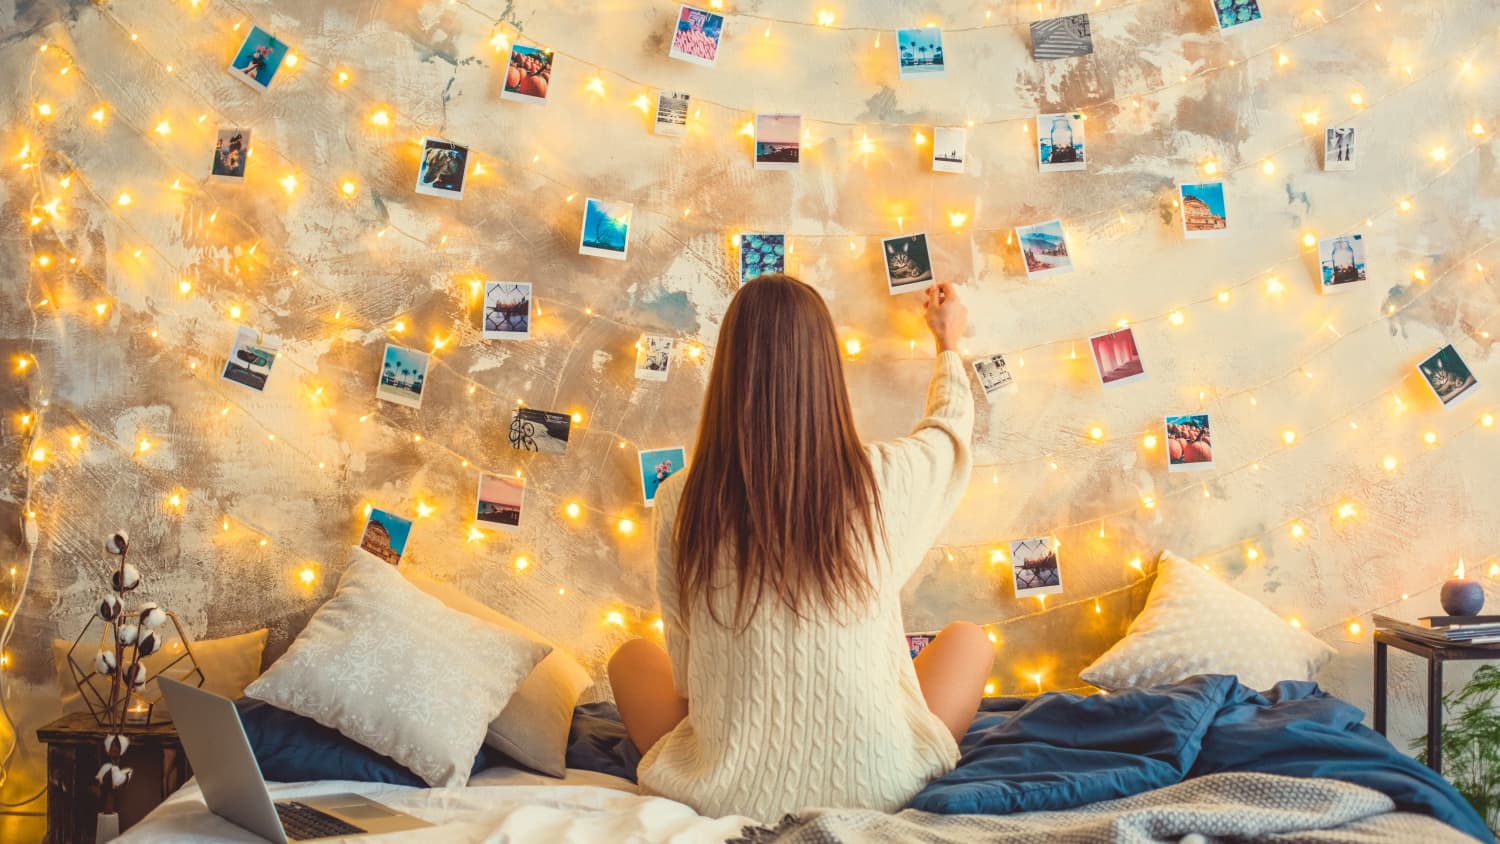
229,777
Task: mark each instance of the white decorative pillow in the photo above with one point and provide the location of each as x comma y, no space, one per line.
400,673
1194,623
533,729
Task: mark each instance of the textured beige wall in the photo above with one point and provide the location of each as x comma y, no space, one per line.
1260,364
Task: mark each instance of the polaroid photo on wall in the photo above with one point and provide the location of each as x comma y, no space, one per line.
908,264
1117,358
442,169
920,52
1204,213
778,141
1446,374
1189,443
1034,567
498,505
250,359
385,535
259,59
672,113
231,154
949,148
1044,248
1059,142
657,465
528,74
1232,14
761,254
696,36
507,310
653,357
1338,148
918,642
994,375
1341,262
606,229
1061,38
403,373
540,430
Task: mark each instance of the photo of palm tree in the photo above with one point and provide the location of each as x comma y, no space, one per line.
920,51
402,376
606,229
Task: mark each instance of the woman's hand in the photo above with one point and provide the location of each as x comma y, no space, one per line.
946,316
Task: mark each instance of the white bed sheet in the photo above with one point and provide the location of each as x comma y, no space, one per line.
500,806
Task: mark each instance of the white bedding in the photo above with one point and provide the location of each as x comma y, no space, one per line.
500,806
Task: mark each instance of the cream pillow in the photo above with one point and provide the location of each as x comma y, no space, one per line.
396,671
533,729
1194,623
228,665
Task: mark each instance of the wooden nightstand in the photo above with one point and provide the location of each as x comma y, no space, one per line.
75,750
1436,655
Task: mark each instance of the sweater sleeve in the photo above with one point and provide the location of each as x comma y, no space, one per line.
923,476
673,627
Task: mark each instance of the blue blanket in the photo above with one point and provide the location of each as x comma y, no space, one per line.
1061,751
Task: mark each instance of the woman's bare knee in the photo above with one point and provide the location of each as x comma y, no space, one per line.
969,636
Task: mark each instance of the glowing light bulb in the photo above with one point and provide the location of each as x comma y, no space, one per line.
1096,433
163,128
1282,59
44,109
349,188
1310,118
853,346
97,115
918,138
1148,502
1430,438
957,218
290,60
626,527
642,102
1389,463
1298,531
1438,153
342,77
1347,510
175,500
990,688
614,617
522,564
1136,564
307,575
380,117
1354,628
1419,274
1268,167
184,287
288,182
1295,622
1477,128
38,455
1149,441
1288,436
1210,167
595,86
825,17
573,510
997,556
1223,297
1487,420
1404,204
1274,286
1356,98
75,441
1309,239
1176,318
123,200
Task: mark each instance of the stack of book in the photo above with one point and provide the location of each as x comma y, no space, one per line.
1446,629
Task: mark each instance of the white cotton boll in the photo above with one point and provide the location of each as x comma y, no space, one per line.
150,643
116,745
118,543
104,663
127,633
135,674
126,578
152,616
110,607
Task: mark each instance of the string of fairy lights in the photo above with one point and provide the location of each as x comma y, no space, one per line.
41,451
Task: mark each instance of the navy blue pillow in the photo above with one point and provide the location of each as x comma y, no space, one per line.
290,748
597,742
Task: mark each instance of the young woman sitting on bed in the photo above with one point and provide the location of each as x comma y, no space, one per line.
781,553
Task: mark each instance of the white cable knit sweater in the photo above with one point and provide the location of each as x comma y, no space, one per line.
790,715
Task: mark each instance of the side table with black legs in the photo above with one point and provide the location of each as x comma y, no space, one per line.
1436,655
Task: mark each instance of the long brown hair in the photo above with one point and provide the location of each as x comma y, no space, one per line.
779,479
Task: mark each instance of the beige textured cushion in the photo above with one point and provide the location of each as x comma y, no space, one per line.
1195,623
533,729
396,671
228,665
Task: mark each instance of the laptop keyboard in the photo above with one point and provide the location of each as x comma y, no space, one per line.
302,822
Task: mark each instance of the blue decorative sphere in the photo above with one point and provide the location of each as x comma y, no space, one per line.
1462,597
